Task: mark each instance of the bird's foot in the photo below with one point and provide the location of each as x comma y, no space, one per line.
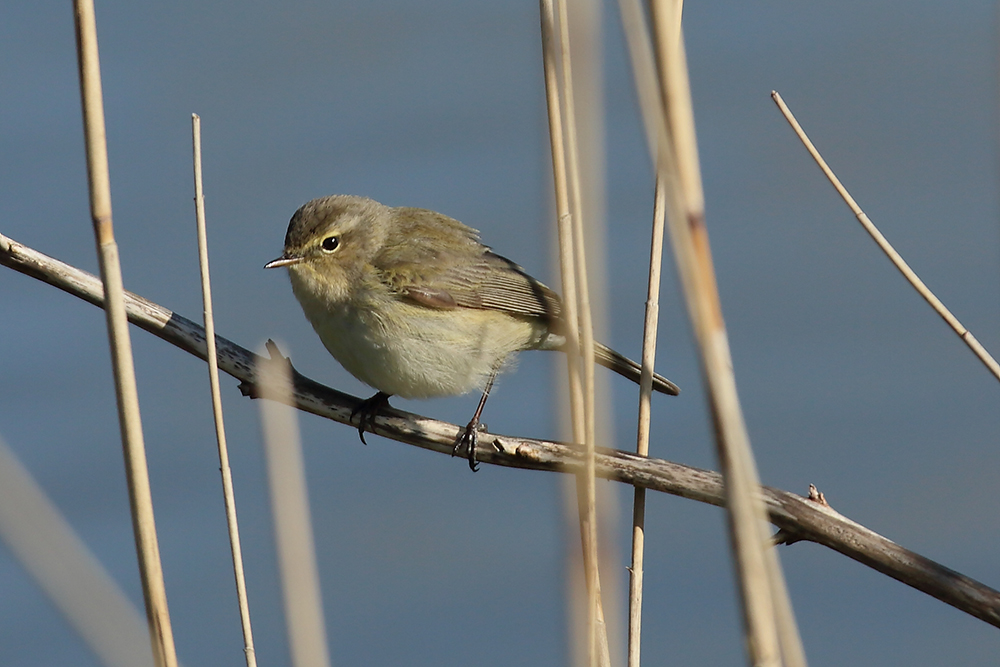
366,411
469,438
252,387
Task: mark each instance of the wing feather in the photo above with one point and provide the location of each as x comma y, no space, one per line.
438,262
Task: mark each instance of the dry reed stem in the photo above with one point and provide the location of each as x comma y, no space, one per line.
598,652
640,48
651,80
566,182
890,252
799,518
642,429
565,232
771,633
290,507
647,86
81,589
137,474
229,498
652,315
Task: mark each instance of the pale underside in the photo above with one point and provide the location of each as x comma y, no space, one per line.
417,352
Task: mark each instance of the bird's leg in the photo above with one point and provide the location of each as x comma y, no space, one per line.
470,436
367,410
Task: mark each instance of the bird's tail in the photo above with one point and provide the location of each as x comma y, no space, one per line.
625,367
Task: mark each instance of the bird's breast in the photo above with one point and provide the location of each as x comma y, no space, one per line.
412,351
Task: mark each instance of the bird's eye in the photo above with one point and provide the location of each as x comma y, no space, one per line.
330,243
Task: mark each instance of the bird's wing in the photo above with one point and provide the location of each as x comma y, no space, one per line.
496,283
438,262
488,282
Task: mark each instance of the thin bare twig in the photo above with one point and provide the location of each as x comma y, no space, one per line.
229,497
890,252
137,474
799,518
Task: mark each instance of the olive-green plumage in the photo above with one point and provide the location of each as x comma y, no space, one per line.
411,303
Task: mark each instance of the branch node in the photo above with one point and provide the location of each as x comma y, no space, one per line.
817,496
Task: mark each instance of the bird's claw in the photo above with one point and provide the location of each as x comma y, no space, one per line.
469,438
366,411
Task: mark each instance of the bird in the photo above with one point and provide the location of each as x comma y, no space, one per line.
413,304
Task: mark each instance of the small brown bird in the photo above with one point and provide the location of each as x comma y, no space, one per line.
411,303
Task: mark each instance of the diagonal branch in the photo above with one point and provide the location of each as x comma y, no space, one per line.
799,518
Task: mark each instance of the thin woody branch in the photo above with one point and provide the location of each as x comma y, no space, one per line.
799,518
897,260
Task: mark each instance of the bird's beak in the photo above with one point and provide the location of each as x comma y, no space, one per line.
284,260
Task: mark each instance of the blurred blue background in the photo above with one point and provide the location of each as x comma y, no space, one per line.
848,380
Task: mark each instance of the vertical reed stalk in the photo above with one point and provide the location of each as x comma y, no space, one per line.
563,215
650,102
642,431
137,474
290,507
559,95
229,497
586,324
766,607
